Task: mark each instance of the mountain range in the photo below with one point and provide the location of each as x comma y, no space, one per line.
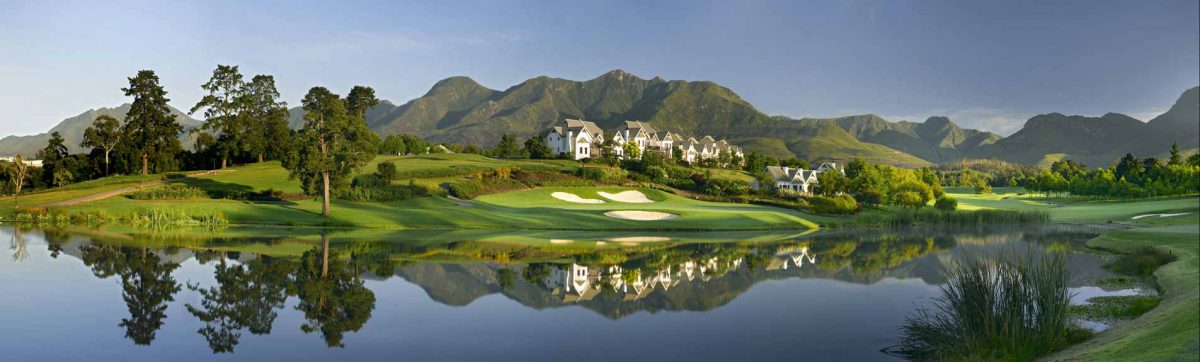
71,130
460,110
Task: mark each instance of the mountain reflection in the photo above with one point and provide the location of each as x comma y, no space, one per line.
255,280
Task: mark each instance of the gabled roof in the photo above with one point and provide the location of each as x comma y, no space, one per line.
632,125
575,124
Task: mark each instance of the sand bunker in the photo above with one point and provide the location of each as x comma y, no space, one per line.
640,239
640,215
631,196
561,241
1159,215
569,197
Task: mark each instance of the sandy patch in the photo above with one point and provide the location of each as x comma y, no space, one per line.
631,196
640,239
640,215
561,241
1159,215
569,197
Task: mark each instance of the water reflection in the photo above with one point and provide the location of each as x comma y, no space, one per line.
331,282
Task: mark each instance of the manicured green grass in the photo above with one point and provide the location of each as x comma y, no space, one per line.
1170,332
529,210
1008,198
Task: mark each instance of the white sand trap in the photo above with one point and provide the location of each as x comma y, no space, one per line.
631,196
569,197
640,239
561,241
1159,215
640,215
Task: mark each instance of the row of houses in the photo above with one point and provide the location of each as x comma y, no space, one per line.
583,139
576,282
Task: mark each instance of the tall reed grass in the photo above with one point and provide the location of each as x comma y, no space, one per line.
1009,309
951,218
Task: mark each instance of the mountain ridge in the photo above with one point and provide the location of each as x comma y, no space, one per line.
460,110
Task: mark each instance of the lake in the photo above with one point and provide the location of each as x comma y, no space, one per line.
474,295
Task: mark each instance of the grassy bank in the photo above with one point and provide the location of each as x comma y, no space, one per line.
235,195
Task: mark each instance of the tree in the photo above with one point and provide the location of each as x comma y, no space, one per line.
52,158
1194,159
677,154
536,147
913,194
265,119
150,128
221,110
831,183
360,100
946,204
855,167
1176,158
1128,167
17,175
104,135
331,146
393,145
631,151
508,147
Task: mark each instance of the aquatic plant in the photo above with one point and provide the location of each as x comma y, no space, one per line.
1008,309
954,218
1142,261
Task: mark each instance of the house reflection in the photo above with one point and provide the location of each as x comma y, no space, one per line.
574,282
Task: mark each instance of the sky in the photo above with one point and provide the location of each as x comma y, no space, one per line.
986,65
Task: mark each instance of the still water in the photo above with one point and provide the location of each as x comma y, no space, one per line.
90,295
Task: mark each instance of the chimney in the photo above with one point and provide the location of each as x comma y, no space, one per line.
785,170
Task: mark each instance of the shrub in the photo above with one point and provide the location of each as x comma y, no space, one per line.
870,197
1141,261
841,204
724,187
946,204
387,170
169,192
466,189
983,188
994,310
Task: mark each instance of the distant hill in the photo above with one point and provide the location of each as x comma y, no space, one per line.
460,110
1097,141
72,130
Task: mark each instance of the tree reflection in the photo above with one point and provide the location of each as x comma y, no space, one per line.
17,245
247,296
146,283
332,297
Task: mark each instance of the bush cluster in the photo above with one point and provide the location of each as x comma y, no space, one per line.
169,192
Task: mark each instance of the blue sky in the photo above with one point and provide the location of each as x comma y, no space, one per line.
988,65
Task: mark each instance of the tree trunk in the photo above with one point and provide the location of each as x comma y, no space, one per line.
260,157
224,161
324,255
325,192
106,162
145,164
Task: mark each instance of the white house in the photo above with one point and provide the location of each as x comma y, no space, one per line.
580,139
798,179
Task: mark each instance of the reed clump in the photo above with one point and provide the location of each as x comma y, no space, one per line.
1011,309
